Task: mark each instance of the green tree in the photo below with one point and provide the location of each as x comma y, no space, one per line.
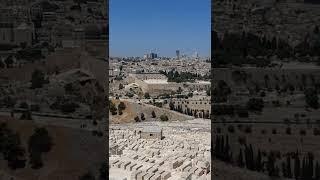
26,115
312,98
142,117
11,148
316,30
24,105
36,160
121,86
68,88
137,119
164,117
317,171
288,168
171,105
255,104
39,142
221,91
297,166
112,108
240,159
69,107
121,106
9,61
147,95
259,161
153,114
271,164
37,79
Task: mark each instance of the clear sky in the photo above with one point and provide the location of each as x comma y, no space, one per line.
138,26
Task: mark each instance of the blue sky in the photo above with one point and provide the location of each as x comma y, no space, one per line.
138,26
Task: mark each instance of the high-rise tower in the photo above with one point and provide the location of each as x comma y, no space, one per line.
178,54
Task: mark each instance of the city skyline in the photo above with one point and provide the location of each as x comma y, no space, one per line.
137,28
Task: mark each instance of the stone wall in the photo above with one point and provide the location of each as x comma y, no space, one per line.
201,107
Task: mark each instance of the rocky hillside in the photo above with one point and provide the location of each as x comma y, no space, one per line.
134,109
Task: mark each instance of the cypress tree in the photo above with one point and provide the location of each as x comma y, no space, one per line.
289,167
217,147
252,167
317,171
270,164
240,159
297,166
276,171
246,156
221,147
226,150
310,165
259,161
284,169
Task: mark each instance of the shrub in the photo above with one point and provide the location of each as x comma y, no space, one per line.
276,103
24,105
129,94
94,122
8,102
164,118
112,108
243,113
68,88
137,119
316,131
274,131
288,130
286,121
121,86
11,148
248,130
69,107
35,107
37,79
26,115
121,106
255,104
99,134
311,98
36,160
147,95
